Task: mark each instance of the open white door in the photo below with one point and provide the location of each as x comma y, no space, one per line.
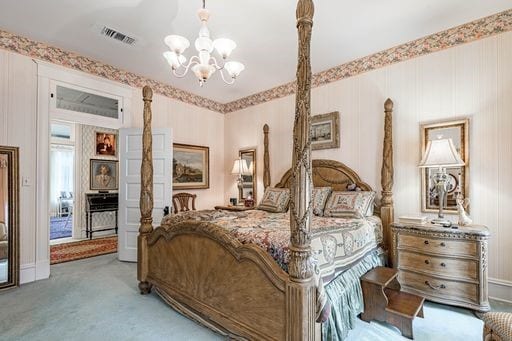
130,156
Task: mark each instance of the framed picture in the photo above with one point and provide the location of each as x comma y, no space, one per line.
104,175
457,176
190,167
325,131
106,144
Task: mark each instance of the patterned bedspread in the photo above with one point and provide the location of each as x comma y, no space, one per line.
336,242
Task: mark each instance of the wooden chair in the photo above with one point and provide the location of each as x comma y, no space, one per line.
180,202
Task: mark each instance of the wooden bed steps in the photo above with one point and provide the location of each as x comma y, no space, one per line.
383,300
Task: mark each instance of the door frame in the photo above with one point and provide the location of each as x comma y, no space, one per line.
47,75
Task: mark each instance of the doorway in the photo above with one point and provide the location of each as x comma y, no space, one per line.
62,159
62,181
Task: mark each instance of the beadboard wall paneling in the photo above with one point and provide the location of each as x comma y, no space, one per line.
18,93
472,80
191,125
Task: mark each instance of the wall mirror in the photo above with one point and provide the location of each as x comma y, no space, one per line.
249,181
458,176
9,217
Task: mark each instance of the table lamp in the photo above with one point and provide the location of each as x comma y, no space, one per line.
441,153
240,168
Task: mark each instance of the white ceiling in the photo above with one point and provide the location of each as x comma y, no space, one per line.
263,29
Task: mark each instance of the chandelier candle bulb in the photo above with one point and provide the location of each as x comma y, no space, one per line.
203,64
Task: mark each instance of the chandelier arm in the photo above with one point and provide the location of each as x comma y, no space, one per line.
217,66
192,61
221,71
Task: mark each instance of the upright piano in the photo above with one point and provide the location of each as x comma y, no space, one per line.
99,203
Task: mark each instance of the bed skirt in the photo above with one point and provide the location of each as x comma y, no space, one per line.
346,297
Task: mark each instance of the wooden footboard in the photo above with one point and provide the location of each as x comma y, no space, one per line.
235,289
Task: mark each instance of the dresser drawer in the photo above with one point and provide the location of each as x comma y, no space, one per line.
456,268
438,246
441,288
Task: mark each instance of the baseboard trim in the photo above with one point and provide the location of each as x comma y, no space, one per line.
27,273
500,290
43,269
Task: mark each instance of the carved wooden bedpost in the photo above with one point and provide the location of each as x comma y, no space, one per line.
386,210
301,294
266,158
146,194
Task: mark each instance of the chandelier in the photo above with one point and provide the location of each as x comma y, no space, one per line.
203,65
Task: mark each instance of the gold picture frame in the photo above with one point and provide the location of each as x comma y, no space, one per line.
190,167
458,131
10,246
105,144
325,131
104,175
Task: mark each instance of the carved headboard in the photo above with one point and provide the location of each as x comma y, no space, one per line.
329,173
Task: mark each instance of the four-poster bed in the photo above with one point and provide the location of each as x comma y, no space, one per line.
237,288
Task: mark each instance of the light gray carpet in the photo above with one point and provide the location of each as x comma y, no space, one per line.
97,299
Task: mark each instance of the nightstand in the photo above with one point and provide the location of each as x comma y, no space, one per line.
444,265
234,208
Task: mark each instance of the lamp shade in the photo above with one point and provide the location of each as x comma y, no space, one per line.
234,68
441,153
240,167
177,44
224,46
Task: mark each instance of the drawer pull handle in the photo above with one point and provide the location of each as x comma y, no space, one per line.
426,242
443,265
443,244
435,287
427,261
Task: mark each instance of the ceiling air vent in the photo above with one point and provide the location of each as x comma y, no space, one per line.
113,34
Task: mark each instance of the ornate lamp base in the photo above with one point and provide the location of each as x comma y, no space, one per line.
441,221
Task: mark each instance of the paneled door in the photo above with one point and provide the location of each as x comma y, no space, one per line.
130,156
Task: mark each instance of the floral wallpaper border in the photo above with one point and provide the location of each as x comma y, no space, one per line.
55,55
469,32
472,31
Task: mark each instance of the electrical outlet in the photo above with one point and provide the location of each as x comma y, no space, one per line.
25,181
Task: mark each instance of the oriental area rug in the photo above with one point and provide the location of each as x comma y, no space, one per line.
82,249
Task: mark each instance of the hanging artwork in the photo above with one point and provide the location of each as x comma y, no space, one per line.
103,175
106,144
325,131
190,167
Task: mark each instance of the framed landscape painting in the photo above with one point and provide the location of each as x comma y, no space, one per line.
190,167
325,131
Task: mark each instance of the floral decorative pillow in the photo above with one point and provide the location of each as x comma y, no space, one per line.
275,200
320,196
349,204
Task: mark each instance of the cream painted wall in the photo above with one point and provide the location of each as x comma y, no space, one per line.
18,119
472,80
191,125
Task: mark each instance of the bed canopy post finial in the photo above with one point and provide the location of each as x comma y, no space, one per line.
301,294
266,158
146,194
387,212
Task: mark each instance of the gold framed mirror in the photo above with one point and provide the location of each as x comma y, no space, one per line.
9,217
249,181
458,131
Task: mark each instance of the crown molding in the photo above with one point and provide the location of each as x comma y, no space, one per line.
466,33
37,50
